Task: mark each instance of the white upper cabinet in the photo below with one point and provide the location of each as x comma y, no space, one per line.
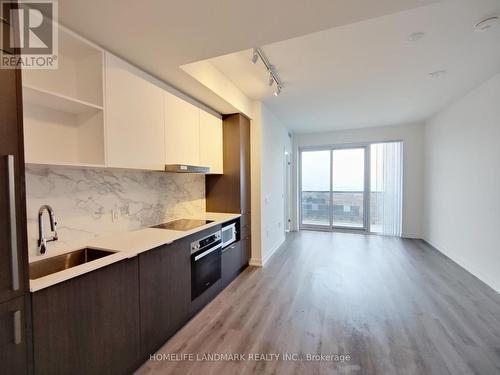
182,138
211,142
192,136
135,130
97,110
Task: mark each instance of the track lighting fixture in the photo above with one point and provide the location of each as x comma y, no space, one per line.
255,56
273,76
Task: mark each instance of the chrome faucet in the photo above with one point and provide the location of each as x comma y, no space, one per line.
42,240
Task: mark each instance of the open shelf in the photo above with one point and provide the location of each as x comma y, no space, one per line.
63,107
79,74
62,137
44,98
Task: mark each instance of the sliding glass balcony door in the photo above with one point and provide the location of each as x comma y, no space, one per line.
348,188
315,188
355,187
333,188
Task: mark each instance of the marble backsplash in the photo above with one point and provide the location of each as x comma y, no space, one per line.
83,200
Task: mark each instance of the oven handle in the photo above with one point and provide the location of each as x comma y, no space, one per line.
205,253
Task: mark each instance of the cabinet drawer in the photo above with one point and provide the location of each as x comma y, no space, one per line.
231,263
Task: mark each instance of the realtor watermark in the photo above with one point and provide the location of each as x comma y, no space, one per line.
251,357
30,35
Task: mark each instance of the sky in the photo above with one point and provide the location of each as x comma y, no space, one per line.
347,166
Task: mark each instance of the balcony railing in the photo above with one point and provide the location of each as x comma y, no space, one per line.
315,207
348,208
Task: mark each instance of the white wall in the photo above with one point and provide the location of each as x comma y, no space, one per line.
462,203
256,167
207,74
270,140
413,160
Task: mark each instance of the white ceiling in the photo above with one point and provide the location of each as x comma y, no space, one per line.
367,73
161,35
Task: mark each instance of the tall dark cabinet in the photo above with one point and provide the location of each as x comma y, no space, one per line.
230,192
14,301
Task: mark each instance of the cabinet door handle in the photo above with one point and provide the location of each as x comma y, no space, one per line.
17,327
13,222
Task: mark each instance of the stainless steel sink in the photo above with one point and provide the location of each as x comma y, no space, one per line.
62,262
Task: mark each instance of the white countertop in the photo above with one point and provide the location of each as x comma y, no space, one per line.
125,245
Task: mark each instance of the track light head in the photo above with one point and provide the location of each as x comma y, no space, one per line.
278,90
255,56
271,79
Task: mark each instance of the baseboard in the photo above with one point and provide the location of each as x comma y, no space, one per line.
464,264
411,237
256,262
273,251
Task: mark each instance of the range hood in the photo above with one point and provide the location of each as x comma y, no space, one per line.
183,168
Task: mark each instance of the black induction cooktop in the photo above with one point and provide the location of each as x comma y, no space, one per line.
183,224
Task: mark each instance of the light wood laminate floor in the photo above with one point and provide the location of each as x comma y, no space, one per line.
395,306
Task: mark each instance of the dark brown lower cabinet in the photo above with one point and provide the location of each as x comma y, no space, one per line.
14,338
165,293
110,320
231,263
89,324
246,248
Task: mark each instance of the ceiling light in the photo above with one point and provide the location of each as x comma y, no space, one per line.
415,36
273,75
255,56
437,73
487,24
